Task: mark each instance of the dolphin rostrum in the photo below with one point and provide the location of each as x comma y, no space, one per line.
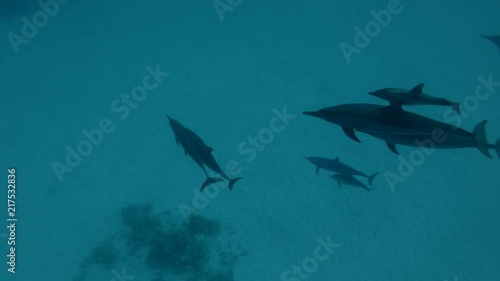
495,39
334,165
415,96
349,180
198,151
403,127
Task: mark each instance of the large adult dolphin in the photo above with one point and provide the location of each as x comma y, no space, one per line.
201,153
403,127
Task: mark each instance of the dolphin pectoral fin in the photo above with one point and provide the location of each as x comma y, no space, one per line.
371,178
392,147
177,140
317,170
482,142
339,184
185,153
350,133
208,182
232,182
417,90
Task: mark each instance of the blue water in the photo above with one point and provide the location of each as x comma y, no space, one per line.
118,212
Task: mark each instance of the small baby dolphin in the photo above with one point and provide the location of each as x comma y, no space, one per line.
334,165
349,180
494,39
201,153
415,96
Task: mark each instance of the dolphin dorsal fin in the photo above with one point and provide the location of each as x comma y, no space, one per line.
210,149
336,159
417,90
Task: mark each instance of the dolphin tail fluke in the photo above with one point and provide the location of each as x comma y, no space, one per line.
371,178
232,182
209,181
482,142
456,107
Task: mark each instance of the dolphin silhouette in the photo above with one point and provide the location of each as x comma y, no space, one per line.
403,127
495,39
415,96
198,151
349,180
334,165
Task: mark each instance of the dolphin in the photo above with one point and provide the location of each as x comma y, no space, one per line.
198,151
334,165
403,127
495,39
349,180
415,96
